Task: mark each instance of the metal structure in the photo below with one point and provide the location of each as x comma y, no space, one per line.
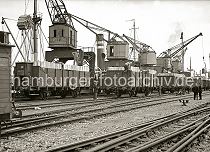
146,55
102,35
29,27
62,34
178,51
63,25
36,20
134,35
19,48
183,52
96,29
173,51
137,45
58,12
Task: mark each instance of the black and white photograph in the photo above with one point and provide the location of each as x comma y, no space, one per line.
104,75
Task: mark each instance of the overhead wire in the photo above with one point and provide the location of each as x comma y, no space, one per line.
42,33
41,44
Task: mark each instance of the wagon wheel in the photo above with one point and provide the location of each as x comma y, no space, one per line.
147,92
118,94
135,93
74,94
63,94
17,113
172,91
107,92
43,95
130,93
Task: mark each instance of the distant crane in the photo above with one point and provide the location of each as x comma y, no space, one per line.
178,50
94,28
64,36
59,14
137,45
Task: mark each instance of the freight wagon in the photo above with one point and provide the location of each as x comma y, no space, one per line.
49,79
202,81
120,80
172,82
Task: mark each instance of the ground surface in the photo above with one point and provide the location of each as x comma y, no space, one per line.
70,133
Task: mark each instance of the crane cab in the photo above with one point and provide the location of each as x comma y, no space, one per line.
62,36
117,50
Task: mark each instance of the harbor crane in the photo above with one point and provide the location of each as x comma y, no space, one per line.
177,52
59,15
63,37
58,12
138,46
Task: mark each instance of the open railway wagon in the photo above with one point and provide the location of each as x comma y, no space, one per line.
206,84
120,80
50,79
202,81
172,82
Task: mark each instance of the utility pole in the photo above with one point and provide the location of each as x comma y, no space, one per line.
183,52
190,65
36,20
134,34
35,31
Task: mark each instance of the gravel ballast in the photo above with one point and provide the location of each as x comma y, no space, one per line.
70,133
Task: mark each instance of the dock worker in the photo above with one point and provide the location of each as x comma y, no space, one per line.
200,92
95,89
159,90
195,91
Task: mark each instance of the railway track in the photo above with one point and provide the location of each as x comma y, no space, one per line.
145,135
47,121
193,139
76,102
61,103
123,101
39,118
90,104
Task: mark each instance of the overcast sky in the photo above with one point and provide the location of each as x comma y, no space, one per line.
160,22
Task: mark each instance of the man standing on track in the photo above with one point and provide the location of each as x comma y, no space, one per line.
200,92
95,89
195,91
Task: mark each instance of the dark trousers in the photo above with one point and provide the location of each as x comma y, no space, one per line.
195,95
200,95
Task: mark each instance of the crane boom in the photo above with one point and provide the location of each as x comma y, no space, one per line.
138,46
94,28
58,12
179,47
185,43
135,46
